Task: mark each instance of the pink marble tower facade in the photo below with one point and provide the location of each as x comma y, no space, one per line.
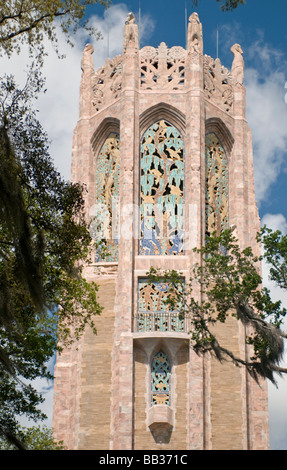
103,386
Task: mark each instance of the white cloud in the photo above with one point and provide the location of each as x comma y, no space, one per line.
277,395
266,115
58,107
275,222
265,79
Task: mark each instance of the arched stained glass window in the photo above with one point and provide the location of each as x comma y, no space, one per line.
216,165
107,194
160,379
162,191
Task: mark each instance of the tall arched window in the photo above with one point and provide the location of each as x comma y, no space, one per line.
107,193
162,191
216,172
160,379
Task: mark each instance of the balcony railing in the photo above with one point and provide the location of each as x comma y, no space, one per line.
160,321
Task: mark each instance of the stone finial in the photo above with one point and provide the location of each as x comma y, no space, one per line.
130,32
237,69
194,34
87,64
131,19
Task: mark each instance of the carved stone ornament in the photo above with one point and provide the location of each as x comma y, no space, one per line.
237,70
194,35
162,67
130,32
218,83
107,83
87,63
107,269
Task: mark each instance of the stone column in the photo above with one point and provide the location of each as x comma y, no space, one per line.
194,142
247,225
122,367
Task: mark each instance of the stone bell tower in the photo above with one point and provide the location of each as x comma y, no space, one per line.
164,148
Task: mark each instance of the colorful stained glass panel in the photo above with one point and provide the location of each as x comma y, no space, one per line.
216,186
162,191
107,194
160,379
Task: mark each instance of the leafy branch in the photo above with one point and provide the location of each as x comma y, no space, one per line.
230,285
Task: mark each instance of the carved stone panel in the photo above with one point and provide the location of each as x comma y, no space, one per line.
218,83
107,83
162,67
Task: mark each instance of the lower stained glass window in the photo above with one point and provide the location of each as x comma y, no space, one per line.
160,379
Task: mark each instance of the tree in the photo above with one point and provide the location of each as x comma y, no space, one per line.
44,241
45,301
30,21
227,5
230,285
34,438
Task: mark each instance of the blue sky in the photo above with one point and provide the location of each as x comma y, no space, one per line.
260,28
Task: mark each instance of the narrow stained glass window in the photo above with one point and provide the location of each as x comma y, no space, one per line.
216,162
107,192
162,191
160,379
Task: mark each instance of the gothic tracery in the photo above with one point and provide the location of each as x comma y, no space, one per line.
162,67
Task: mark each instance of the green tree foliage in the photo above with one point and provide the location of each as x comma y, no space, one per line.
44,301
30,21
34,438
43,242
230,285
226,5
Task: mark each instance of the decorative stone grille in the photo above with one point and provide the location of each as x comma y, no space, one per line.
218,83
107,83
162,67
